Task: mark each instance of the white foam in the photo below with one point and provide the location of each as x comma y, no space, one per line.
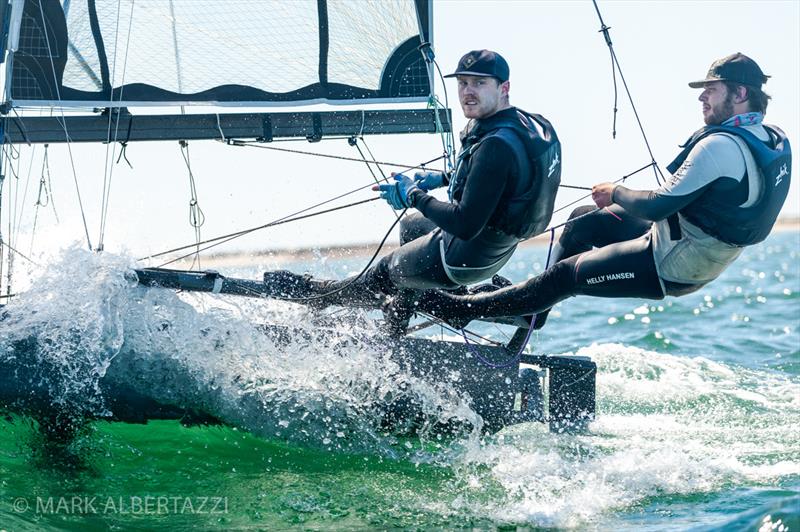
206,352
666,425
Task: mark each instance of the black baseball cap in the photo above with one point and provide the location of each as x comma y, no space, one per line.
737,68
482,63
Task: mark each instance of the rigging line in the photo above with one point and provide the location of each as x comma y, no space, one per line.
178,77
106,172
21,254
2,181
576,187
515,359
278,221
604,29
11,150
444,325
253,144
19,215
196,216
623,178
352,280
12,207
49,184
448,141
227,238
8,165
63,123
10,158
45,190
607,37
354,142
219,127
15,217
372,158
108,168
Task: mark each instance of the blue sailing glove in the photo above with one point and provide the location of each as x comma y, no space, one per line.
429,180
397,194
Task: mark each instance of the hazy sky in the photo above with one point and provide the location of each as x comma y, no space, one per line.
560,67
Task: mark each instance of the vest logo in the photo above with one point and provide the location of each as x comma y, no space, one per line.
784,171
680,172
610,277
553,165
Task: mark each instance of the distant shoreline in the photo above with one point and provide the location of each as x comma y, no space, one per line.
356,251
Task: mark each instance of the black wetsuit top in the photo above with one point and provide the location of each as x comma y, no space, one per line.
491,171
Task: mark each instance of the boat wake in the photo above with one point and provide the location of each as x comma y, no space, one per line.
86,341
667,426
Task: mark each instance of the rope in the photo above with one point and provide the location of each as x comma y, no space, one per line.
196,216
576,187
17,252
108,167
45,191
63,123
448,140
19,212
353,280
621,179
227,238
615,64
255,144
515,359
353,141
293,216
2,182
219,128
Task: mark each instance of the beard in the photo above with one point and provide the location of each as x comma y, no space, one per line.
721,113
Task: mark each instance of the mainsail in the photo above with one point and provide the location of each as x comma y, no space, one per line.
85,70
114,55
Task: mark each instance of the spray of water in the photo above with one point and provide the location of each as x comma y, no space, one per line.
93,340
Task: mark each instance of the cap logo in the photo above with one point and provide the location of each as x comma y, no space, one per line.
469,61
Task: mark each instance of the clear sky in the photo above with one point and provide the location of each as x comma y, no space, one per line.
560,67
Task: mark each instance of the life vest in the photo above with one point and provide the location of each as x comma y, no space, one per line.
527,204
718,212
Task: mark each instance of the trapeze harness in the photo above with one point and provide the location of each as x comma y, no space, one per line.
434,254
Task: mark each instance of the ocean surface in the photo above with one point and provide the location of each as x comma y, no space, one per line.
698,422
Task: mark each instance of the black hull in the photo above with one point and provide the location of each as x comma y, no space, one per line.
132,389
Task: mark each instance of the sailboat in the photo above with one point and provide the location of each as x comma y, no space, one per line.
102,70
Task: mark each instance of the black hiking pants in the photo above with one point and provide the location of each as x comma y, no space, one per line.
603,253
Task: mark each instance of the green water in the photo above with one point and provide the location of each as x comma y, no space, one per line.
698,428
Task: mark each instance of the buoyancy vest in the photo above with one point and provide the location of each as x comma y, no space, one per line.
718,212
527,203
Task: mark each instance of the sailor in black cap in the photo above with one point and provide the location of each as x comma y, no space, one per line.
501,191
727,187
